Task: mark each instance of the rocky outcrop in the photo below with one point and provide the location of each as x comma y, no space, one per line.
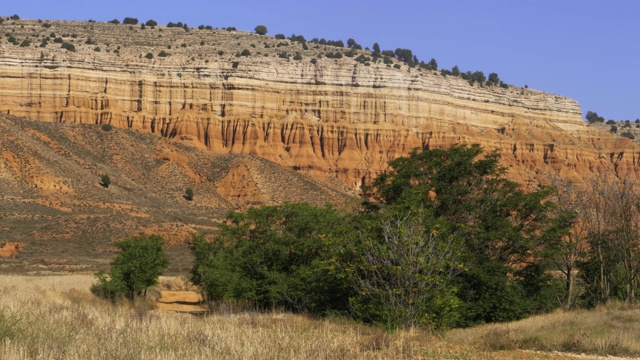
335,118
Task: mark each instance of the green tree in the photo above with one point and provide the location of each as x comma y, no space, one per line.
505,230
402,268
151,23
130,21
105,181
138,264
188,194
274,255
261,30
593,117
433,64
455,71
376,49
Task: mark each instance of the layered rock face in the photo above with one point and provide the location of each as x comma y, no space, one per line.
336,118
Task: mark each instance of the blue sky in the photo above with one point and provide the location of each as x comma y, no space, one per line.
584,49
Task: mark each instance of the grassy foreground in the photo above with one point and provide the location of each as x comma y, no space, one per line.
55,317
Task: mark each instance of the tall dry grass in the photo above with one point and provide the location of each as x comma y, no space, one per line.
607,330
57,317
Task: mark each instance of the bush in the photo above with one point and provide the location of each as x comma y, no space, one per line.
14,17
314,61
115,21
245,52
261,30
68,46
611,122
136,267
58,40
151,23
130,21
97,49
188,194
280,36
25,43
105,180
297,57
163,54
628,135
149,56
274,255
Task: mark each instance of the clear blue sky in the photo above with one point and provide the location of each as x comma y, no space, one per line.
588,50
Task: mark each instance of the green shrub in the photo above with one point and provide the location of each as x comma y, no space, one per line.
130,21
611,122
396,66
261,30
137,266
68,46
25,43
297,57
245,52
314,61
188,194
274,255
105,180
151,23
97,49
280,36
14,17
115,21
163,54
58,40
149,56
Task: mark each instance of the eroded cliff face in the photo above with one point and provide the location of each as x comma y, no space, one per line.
335,118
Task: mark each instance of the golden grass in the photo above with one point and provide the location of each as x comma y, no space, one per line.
608,330
56,317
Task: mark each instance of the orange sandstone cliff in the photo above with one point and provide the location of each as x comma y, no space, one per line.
335,118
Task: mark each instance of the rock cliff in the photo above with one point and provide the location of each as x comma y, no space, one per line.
331,118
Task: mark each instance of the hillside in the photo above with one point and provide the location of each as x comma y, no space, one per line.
52,201
330,117
283,121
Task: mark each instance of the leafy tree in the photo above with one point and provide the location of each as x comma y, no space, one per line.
261,30
115,21
136,267
455,71
14,17
494,79
405,55
376,49
402,268
105,181
506,232
274,255
593,117
611,122
280,36
614,129
130,21
188,194
151,23
433,64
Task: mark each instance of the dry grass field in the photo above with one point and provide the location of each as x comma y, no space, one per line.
56,317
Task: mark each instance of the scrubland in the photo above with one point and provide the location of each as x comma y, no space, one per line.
56,317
